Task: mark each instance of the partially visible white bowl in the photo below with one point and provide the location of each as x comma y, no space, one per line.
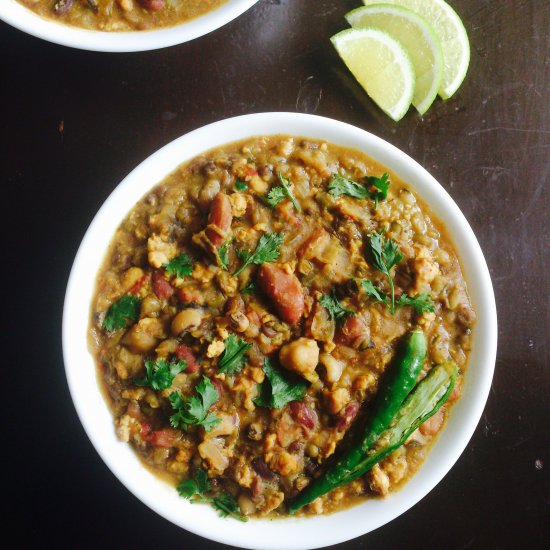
289,533
26,20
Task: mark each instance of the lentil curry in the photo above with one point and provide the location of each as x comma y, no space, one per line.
122,15
243,323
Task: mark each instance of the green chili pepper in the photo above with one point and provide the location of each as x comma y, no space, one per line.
397,385
424,401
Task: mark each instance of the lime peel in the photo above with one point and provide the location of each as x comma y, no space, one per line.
419,39
454,40
381,65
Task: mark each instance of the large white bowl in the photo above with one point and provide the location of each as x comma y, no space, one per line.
289,533
26,20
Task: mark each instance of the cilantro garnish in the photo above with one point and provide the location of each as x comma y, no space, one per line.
249,288
277,390
194,410
381,184
335,309
180,266
124,311
232,360
420,303
339,185
223,254
267,250
195,489
241,185
277,194
226,505
374,292
160,373
385,255
197,485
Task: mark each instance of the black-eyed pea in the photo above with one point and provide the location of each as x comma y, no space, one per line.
185,320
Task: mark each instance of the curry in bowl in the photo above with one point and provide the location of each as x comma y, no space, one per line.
281,327
122,15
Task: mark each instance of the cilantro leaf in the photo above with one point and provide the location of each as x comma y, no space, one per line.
180,266
374,292
277,194
198,485
232,360
249,289
335,309
382,184
267,250
420,303
339,185
160,374
274,197
226,505
194,410
223,255
385,255
241,185
195,489
278,390
124,311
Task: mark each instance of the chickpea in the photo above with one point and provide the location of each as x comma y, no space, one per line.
334,368
144,336
131,277
246,505
301,356
150,305
186,319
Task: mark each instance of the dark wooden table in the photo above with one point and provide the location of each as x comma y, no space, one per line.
74,123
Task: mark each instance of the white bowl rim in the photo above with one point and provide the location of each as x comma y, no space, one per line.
294,533
24,19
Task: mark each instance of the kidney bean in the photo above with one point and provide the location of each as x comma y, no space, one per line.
346,416
145,430
262,468
153,5
257,487
284,290
303,415
353,333
62,6
161,287
221,216
186,353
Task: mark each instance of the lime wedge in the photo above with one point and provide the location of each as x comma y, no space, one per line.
381,65
418,38
452,34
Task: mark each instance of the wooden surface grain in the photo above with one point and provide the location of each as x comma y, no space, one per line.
74,123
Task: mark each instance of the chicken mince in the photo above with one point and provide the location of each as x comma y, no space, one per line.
234,333
122,15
